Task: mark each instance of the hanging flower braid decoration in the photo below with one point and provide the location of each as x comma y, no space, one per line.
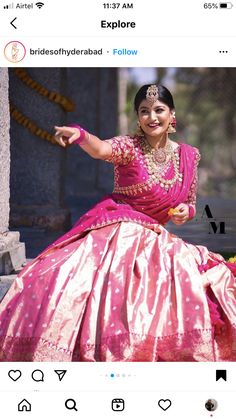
55,97
30,125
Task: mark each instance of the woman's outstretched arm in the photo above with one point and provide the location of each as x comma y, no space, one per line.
91,144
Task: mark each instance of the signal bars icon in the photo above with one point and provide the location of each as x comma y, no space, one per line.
9,6
39,4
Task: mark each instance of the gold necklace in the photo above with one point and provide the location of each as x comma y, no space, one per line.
160,154
157,166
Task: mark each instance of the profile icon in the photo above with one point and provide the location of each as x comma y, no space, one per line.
14,51
211,405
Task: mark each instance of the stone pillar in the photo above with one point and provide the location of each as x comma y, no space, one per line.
95,92
12,252
4,151
38,167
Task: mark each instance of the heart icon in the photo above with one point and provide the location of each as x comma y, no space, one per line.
14,374
164,404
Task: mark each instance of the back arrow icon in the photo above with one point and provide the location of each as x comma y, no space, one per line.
13,24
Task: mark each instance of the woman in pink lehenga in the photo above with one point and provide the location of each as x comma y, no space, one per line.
118,286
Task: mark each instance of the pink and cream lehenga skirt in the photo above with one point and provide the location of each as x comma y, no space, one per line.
121,293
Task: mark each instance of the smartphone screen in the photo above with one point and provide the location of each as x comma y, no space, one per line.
118,197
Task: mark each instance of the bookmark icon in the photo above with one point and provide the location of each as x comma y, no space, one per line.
221,374
60,373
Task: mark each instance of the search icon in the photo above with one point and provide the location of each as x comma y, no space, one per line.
71,404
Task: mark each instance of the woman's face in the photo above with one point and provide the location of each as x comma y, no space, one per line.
154,118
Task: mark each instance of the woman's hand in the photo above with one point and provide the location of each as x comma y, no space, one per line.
66,135
182,216
91,144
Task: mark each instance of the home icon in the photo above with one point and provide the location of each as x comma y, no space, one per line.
24,405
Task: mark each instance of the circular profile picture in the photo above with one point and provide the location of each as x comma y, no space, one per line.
14,51
211,405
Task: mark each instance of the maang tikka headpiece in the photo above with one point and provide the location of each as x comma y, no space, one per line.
152,94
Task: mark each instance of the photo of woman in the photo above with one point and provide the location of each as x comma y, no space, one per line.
119,286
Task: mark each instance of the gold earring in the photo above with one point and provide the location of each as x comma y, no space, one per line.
172,125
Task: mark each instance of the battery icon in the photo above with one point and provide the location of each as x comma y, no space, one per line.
227,5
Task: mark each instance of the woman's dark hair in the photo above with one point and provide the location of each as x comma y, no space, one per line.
164,96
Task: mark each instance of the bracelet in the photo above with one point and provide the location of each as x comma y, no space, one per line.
82,133
191,211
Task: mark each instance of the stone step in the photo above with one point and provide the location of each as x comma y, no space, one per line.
12,253
5,283
7,280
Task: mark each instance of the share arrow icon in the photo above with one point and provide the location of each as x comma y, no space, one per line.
60,373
